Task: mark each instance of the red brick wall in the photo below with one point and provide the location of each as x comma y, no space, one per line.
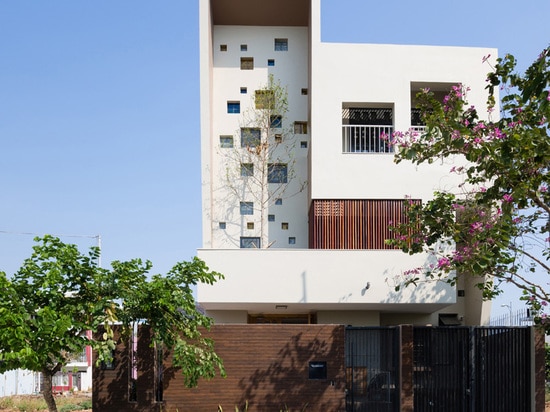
267,366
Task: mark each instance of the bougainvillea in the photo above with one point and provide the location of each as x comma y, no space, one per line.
495,225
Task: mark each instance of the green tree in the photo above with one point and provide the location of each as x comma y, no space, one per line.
59,294
495,226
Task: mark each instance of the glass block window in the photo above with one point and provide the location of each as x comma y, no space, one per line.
281,44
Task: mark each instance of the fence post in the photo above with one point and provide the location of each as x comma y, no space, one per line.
538,365
406,361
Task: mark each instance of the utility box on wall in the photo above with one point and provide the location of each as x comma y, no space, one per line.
317,370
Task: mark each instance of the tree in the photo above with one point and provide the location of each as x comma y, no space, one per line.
264,165
59,294
498,220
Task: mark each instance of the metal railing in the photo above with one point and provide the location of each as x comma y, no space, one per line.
366,139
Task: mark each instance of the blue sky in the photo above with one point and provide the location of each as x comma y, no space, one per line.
99,110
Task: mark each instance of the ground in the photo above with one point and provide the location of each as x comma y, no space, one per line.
35,403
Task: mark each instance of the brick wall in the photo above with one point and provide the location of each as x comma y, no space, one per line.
267,366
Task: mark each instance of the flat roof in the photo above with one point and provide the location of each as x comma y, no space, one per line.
260,12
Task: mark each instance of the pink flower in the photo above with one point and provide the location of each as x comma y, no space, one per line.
443,263
507,198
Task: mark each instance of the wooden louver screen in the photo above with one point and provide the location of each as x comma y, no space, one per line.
354,224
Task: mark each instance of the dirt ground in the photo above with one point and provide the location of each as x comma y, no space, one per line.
61,400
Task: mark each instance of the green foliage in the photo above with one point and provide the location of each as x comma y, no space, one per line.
59,294
498,217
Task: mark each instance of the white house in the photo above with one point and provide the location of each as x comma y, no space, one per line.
327,261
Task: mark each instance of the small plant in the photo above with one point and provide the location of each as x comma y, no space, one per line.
220,409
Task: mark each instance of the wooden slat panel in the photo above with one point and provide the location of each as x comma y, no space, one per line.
354,224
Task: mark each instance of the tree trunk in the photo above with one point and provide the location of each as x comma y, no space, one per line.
47,391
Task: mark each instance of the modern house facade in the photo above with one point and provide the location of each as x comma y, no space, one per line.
315,251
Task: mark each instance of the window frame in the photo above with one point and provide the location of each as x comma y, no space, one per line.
280,44
233,107
227,141
247,169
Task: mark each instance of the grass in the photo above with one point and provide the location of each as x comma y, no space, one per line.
36,403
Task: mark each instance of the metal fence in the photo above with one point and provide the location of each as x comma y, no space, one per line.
372,362
455,369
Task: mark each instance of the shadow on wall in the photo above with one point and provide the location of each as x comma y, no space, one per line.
284,382
425,290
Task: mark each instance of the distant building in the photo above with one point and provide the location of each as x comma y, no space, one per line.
327,261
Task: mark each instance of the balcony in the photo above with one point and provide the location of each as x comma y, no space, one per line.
366,139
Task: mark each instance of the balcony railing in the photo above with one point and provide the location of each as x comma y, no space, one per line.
366,139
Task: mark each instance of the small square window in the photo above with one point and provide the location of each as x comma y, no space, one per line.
222,225
276,122
278,138
250,136
244,90
304,92
250,225
226,142
271,218
244,47
247,208
250,242
233,107
247,169
223,47
277,173
284,225
281,44
292,240
303,145
278,201
247,63
271,62
300,127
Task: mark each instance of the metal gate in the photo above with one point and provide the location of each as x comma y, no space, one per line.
455,369
472,369
372,364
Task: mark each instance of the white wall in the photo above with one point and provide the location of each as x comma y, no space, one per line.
17,382
291,69
373,73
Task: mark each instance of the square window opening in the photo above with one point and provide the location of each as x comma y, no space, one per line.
233,107
247,169
250,242
278,201
277,173
271,62
264,99
223,47
292,240
304,92
247,208
250,136
244,90
271,218
303,144
300,127
226,142
276,122
244,47
247,63
281,44
278,138
284,226
222,225
250,225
